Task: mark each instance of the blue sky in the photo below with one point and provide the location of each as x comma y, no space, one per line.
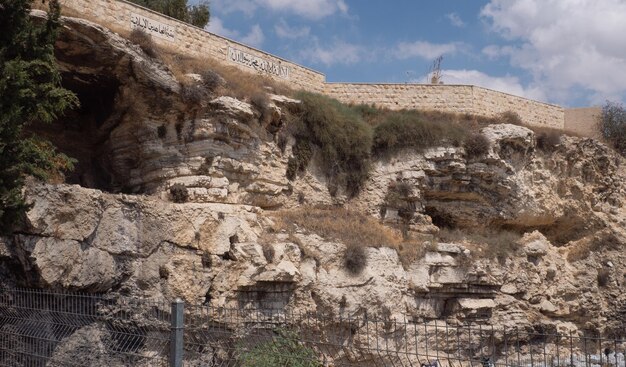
569,52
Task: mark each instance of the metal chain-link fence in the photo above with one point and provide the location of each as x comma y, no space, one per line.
45,328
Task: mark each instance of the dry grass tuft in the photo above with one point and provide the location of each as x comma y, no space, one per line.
490,243
476,145
350,228
224,79
145,42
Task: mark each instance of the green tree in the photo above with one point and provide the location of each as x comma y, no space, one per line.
612,125
197,15
30,90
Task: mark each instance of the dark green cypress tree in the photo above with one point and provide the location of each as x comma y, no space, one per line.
30,91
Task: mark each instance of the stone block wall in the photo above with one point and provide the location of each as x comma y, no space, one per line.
489,102
193,41
583,121
186,39
448,98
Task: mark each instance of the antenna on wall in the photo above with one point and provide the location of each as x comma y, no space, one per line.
435,72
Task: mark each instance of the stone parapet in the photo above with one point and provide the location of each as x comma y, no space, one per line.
186,39
448,98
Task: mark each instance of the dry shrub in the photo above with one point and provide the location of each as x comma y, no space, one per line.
179,193
210,80
145,42
603,277
350,228
260,100
510,117
476,145
205,166
547,139
192,93
355,259
224,79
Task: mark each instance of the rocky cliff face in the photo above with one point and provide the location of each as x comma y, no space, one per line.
136,136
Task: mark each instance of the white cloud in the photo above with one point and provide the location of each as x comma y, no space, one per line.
507,84
284,30
424,49
566,45
339,52
311,9
254,38
216,26
455,20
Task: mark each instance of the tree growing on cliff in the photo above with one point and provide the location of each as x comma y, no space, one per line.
197,15
612,125
30,90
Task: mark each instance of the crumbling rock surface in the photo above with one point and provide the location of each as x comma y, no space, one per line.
566,275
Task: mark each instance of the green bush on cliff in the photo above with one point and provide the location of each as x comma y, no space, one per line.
30,86
343,138
407,129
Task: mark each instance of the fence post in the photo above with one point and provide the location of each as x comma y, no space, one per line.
176,333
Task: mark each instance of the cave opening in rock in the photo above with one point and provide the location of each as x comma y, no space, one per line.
83,133
439,218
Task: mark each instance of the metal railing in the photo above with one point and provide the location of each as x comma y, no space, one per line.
45,328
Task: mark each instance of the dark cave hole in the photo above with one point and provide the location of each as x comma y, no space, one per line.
440,219
82,133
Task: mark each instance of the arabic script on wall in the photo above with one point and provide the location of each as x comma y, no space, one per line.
241,57
152,27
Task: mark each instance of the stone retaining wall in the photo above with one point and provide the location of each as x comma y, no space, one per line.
190,40
186,39
448,98
583,121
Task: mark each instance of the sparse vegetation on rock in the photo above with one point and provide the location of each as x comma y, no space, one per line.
144,41
355,259
342,137
179,193
476,145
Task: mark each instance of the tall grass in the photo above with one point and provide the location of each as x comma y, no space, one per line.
396,130
355,230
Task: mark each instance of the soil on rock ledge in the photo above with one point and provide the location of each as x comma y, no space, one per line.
135,134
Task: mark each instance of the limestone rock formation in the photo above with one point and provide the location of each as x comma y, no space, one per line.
119,231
